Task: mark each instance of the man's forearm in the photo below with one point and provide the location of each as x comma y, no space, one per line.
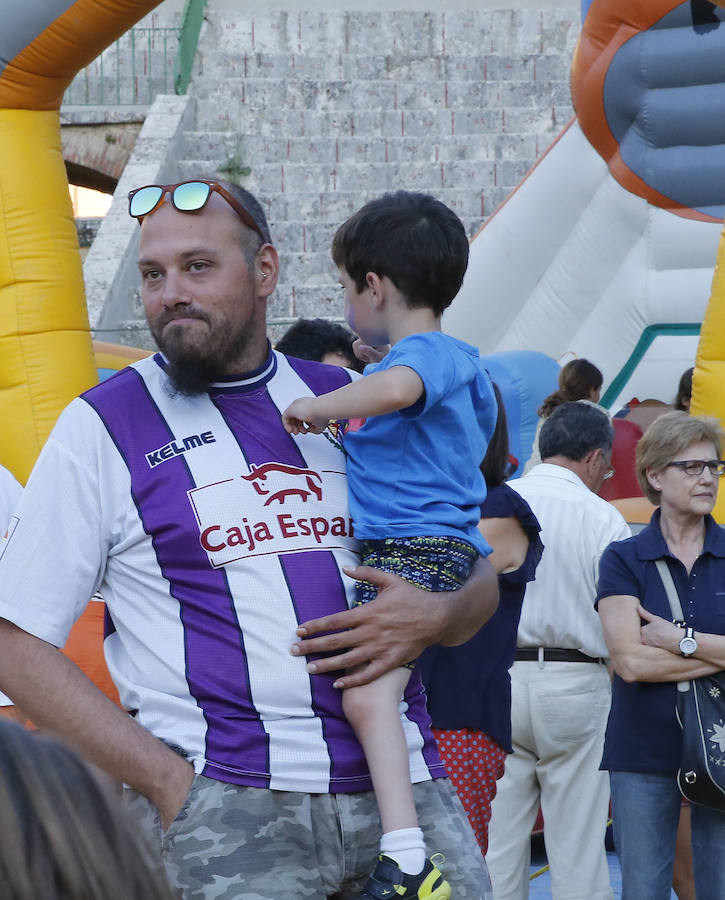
397,626
57,697
466,610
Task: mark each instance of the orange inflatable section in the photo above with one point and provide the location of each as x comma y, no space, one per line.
46,355
37,77
607,27
85,647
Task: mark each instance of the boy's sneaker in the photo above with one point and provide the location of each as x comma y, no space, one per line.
388,882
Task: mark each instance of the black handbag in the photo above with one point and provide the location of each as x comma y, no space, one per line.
701,714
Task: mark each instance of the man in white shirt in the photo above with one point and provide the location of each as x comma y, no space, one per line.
560,683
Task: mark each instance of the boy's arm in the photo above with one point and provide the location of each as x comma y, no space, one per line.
374,395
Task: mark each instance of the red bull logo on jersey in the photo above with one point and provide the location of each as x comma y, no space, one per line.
276,482
274,508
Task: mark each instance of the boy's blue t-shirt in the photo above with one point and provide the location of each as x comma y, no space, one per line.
416,472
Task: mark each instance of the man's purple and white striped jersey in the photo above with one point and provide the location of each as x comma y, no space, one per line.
211,533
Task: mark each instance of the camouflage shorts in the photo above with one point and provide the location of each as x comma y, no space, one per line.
244,843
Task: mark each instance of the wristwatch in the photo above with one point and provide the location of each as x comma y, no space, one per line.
688,644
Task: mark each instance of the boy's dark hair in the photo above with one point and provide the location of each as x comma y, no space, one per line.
495,465
313,338
411,238
575,429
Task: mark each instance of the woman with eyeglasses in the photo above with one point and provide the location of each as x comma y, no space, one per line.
678,468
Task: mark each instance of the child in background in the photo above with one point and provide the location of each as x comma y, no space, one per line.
413,473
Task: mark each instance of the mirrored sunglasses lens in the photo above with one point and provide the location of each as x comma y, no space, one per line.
191,196
144,201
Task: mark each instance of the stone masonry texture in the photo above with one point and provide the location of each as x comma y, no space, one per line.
318,112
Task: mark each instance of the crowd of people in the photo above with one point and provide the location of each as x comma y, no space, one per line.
352,662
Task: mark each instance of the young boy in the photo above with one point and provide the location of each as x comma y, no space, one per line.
413,479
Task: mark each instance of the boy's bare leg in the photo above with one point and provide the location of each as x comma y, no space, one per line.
373,711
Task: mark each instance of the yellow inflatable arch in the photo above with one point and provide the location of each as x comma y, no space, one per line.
46,356
708,395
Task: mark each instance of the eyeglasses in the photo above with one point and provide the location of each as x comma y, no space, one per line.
609,473
695,467
187,196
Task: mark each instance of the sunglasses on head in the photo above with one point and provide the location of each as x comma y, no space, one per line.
187,196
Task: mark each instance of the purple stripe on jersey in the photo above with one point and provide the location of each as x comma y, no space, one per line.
318,378
418,713
314,581
109,626
313,577
235,738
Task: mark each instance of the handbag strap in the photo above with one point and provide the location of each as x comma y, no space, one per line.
675,605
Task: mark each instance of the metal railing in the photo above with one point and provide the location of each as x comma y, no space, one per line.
142,63
131,72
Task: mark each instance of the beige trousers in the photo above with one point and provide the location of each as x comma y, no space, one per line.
559,714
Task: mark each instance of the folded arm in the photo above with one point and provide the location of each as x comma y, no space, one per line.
634,660
659,632
57,697
398,625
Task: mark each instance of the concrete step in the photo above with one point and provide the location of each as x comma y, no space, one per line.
274,108
275,123
304,220
225,148
346,177
340,66
421,33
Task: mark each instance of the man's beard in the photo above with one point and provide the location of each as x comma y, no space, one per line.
193,368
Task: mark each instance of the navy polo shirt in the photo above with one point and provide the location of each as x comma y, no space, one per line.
643,734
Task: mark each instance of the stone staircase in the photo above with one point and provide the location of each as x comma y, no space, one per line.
317,112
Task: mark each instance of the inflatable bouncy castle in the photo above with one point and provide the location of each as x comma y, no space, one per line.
46,357
606,250
46,354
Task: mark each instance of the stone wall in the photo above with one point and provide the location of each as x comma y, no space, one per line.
316,112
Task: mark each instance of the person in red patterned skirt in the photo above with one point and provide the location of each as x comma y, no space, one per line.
468,687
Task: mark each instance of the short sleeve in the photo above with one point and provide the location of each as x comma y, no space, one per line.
441,369
502,502
616,573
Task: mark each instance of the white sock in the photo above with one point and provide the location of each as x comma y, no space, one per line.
407,847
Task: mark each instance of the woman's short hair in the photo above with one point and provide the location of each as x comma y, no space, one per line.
668,436
64,835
